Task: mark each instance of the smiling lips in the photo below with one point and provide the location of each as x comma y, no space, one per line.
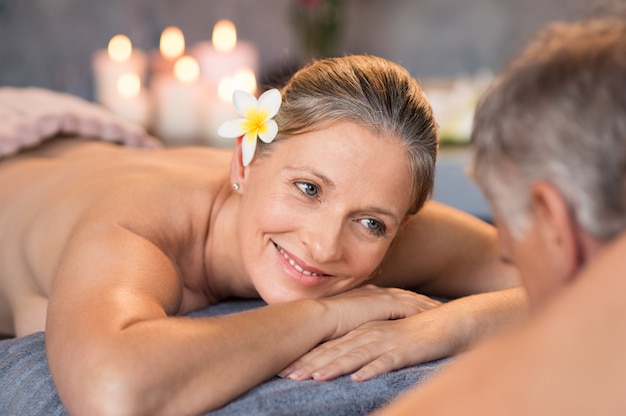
296,266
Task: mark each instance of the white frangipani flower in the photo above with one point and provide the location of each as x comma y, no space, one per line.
256,122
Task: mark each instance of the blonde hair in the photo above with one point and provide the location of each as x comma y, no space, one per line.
370,91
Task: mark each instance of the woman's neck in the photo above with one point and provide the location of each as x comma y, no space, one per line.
225,273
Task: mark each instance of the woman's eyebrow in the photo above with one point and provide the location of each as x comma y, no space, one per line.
325,179
383,212
329,183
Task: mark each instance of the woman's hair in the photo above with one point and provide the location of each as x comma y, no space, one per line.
558,114
369,91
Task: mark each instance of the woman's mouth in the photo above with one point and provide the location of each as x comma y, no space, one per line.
307,271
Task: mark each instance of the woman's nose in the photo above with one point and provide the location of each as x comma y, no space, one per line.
323,239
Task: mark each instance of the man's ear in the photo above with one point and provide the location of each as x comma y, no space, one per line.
237,169
558,228
405,220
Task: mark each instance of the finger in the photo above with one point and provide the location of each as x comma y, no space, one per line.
381,365
424,302
303,361
397,358
354,360
309,357
373,337
313,364
318,363
414,301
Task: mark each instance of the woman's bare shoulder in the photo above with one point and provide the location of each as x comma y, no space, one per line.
48,194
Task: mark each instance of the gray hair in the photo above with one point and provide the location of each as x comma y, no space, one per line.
558,114
370,91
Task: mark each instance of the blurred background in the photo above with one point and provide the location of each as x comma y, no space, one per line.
50,43
453,47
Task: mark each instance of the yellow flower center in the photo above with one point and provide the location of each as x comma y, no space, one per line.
255,121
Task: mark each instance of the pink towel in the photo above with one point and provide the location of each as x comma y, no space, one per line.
28,116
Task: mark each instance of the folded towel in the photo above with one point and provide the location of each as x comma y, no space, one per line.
339,397
28,116
26,386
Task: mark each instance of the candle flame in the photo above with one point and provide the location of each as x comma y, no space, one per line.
120,48
129,85
172,44
243,79
225,89
186,69
224,36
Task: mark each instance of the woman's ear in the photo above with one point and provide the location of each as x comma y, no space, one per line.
559,230
237,169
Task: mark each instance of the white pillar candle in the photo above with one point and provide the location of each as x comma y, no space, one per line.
132,103
219,107
171,47
108,65
224,55
178,101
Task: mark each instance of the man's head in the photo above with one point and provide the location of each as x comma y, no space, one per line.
549,144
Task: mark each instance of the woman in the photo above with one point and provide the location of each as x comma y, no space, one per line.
113,245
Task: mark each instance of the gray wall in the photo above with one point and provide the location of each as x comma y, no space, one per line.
49,43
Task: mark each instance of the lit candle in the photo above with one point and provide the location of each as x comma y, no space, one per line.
245,80
224,55
171,47
108,65
133,104
178,101
219,107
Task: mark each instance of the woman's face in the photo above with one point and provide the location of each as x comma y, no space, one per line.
320,211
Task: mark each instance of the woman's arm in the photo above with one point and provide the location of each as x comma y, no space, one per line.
382,346
113,348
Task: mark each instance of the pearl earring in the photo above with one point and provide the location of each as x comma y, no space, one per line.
236,186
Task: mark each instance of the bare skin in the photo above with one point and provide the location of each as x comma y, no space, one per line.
565,236
106,248
49,200
567,360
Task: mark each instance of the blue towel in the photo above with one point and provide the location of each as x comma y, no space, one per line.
26,386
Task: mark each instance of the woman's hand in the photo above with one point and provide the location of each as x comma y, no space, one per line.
378,347
372,303
375,348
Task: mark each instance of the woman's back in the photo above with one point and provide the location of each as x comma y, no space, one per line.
56,187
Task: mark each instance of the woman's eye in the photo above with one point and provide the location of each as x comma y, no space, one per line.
373,226
308,188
